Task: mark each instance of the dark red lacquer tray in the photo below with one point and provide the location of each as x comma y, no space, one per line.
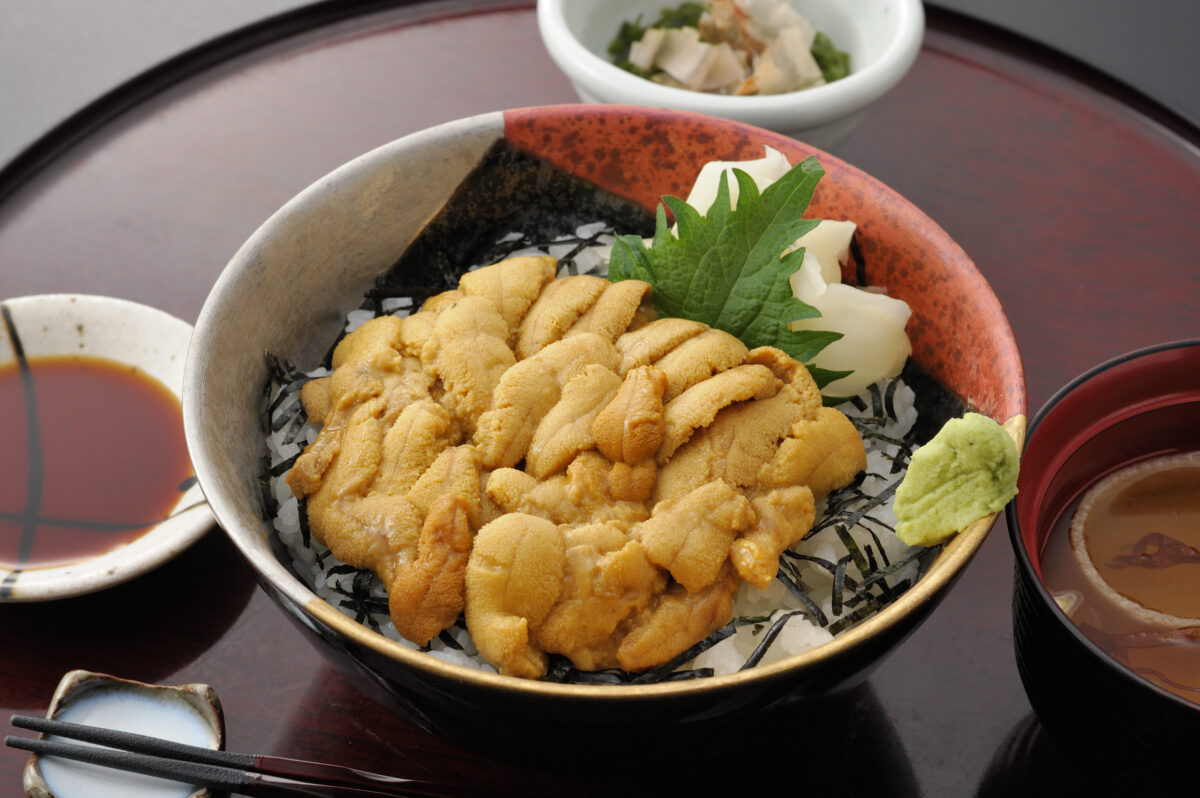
1075,197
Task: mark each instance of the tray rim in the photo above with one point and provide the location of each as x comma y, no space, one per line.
245,41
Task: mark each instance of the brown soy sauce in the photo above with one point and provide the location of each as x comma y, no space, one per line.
92,456
1143,538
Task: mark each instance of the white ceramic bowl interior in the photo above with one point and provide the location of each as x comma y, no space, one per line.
190,714
126,332
883,38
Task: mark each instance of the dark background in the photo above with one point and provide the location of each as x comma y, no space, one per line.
57,55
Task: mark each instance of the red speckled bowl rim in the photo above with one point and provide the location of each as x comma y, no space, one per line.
959,332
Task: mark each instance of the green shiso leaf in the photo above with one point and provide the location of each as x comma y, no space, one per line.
725,269
823,377
834,63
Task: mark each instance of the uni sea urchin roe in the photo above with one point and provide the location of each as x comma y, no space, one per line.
574,476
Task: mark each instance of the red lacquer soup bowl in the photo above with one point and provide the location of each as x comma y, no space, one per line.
288,288
1084,679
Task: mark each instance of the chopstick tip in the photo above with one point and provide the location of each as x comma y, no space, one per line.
13,741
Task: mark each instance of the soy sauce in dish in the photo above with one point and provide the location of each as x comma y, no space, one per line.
1125,566
93,456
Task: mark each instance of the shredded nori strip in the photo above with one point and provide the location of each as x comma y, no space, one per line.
839,584
282,467
869,551
860,263
448,640
889,399
761,649
791,579
305,531
860,614
878,545
292,428
877,406
359,599
283,371
880,574
270,506
904,446
416,294
847,539
852,517
284,391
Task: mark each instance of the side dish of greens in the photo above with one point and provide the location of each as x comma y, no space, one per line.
736,47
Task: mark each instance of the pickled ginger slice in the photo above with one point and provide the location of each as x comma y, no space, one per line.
873,344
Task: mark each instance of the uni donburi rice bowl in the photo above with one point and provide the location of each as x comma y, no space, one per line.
367,230
623,539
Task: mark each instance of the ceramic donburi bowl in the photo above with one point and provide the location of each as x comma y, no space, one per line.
287,292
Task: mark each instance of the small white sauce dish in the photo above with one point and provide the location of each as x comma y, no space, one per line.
142,337
882,37
189,714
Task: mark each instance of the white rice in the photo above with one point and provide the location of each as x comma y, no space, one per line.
755,610
799,632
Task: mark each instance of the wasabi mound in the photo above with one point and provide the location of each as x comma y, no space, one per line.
967,472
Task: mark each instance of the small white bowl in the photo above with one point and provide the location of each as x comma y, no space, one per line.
145,338
883,38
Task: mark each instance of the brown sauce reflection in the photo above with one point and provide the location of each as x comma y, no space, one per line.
1156,550
95,456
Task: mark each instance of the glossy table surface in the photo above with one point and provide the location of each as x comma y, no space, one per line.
1075,197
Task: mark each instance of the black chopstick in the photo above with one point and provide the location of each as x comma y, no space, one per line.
247,774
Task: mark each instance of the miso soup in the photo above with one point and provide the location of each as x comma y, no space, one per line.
1124,564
